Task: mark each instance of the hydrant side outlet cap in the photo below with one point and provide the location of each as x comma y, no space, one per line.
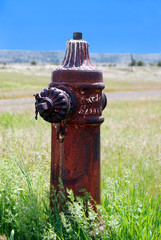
77,35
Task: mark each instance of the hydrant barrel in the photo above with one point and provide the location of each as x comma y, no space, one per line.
76,152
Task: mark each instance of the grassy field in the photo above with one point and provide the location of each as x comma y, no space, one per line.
130,167
130,179
132,78
18,85
19,81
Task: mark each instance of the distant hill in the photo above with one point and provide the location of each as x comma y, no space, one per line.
21,56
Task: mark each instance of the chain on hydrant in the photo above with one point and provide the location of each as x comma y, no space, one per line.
73,103
60,131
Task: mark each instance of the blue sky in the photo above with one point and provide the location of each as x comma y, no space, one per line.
115,26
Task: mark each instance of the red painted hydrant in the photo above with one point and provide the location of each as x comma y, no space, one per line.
73,103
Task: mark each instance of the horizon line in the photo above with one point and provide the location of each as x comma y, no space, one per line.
64,51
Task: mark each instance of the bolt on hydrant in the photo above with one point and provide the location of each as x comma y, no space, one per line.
73,103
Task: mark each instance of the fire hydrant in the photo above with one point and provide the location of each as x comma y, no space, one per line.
73,103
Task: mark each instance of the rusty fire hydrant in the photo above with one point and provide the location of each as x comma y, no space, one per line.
73,103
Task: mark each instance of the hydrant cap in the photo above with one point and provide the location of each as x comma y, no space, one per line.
77,36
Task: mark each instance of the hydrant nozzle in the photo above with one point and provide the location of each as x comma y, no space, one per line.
53,105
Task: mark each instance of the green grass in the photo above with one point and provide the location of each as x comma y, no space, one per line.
115,85
131,177
132,166
18,85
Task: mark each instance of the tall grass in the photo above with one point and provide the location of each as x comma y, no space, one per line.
131,177
132,166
